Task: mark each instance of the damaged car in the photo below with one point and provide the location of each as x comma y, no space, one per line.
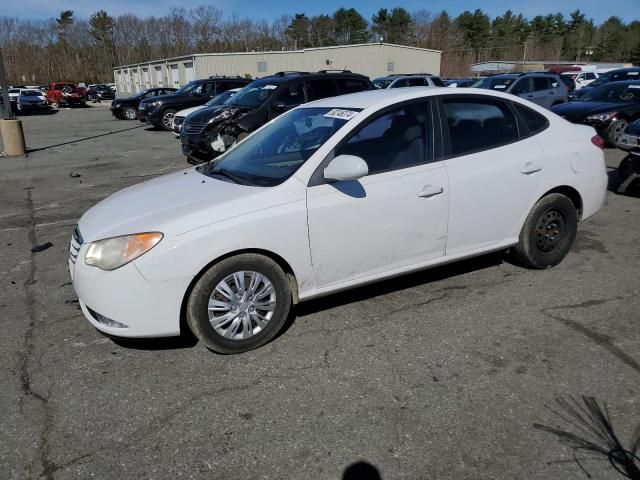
211,131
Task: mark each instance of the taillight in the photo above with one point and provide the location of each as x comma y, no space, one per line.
598,141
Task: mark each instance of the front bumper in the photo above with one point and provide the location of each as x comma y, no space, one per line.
142,308
194,145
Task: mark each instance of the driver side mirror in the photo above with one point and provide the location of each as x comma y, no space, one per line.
346,167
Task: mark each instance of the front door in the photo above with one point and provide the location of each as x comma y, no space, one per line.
396,216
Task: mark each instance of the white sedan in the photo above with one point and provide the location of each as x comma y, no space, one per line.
331,195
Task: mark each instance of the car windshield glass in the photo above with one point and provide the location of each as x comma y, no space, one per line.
494,83
220,98
382,83
272,154
614,93
253,94
601,80
188,88
30,93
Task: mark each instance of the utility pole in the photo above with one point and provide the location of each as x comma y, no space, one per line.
7,111
10,127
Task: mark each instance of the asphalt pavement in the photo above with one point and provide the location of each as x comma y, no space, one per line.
437,375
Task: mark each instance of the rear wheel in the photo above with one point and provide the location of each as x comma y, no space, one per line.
548,232
130,113
239,304
166,121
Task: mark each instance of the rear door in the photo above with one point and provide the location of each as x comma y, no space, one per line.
493,172
544,94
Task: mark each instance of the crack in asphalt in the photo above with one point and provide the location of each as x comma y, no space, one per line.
26,382
600,339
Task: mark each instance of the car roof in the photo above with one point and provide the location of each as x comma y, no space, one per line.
383,97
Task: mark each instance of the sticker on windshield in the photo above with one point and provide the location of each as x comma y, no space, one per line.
341,114
633,86
499,87
270,87
633,73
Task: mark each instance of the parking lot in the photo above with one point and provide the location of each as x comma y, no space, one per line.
436,375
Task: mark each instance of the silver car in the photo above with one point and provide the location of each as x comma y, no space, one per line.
545,89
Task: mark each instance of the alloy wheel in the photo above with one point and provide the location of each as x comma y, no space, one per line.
167,120
130,113
242,305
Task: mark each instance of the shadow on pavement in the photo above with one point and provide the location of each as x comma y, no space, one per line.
78,140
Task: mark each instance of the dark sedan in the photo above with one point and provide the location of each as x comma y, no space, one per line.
127,108
608,108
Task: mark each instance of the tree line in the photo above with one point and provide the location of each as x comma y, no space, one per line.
67,47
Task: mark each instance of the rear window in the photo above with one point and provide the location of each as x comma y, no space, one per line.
351,86
321,89
534,122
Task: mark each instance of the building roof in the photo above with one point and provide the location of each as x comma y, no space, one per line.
275,52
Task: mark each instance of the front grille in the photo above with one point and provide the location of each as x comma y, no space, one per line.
193,127
76,243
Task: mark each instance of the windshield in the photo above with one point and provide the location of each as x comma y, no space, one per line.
189,87
494,83
382,83
601,80
220,98
614,93
30,93
272,154
253,94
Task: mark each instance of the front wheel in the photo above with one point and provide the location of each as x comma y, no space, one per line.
615,131
166,121
239,304
548,232
130,113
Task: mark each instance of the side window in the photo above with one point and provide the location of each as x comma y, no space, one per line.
231,85
533,120
541,83
590,76
399,83
476,125
152,93
291,96
522,86
351,86
437,81
396,139
416,82
321,89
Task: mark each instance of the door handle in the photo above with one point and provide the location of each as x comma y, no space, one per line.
430,191
530,96
530,168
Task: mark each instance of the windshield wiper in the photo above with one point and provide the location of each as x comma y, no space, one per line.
231,176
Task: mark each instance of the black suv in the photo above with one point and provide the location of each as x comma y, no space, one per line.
97,93
211,131
159,111
618,75
127,108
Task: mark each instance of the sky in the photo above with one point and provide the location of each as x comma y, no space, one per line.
599,10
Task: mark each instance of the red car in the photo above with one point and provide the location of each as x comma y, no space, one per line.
66,93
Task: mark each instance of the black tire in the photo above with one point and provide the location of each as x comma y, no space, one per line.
130,113
626,168
197,311
165,124
615,130
548,232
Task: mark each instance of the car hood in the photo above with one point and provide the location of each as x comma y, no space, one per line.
187,111
171,204
634,128
576,109
209,113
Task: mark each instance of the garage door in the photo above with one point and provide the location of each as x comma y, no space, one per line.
159,80
174,79
189,71
146,77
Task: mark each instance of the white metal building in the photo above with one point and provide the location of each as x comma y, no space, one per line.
370,59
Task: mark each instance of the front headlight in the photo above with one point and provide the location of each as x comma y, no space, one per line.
112,253
603,117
